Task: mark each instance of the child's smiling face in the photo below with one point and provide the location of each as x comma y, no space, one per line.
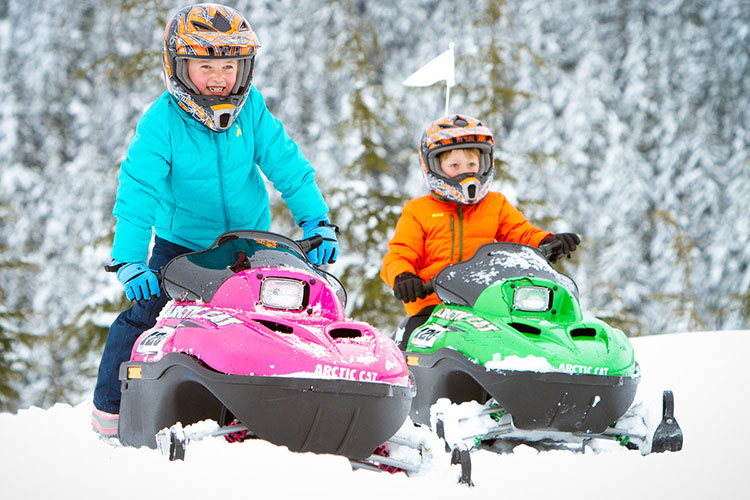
459,161
213,76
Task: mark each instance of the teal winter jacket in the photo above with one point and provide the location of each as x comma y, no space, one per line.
191,184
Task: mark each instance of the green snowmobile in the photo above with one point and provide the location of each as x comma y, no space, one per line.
511,338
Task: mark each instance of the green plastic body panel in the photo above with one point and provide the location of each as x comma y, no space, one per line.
495,334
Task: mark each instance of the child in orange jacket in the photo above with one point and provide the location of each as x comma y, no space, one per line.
458,216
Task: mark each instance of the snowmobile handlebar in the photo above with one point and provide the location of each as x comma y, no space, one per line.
306,245
310,243
549,250
556,249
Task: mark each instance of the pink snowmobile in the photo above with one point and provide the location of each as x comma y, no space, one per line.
256,339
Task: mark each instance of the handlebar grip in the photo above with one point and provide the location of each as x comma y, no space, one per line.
550,249
428,287
310,243
553,250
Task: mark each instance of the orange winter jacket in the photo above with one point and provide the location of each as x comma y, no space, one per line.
430,234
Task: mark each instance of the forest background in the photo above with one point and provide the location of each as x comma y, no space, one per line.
622,120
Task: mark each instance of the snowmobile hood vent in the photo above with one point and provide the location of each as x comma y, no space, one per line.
524,328
583,333
345,333
276,327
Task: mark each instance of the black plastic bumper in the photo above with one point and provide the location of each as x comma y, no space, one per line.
343,417
566,402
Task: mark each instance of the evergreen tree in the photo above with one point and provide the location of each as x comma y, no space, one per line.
12,338
71,111
367,200
494,86
622,120
653,158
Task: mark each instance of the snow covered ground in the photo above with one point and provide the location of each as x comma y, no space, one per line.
53,453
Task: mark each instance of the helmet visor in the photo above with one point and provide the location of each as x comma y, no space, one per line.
244,73
485,157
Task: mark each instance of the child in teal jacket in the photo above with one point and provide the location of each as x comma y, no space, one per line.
191,183
193,171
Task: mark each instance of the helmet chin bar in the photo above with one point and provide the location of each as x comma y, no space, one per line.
470,187
220,109
465,189
223,115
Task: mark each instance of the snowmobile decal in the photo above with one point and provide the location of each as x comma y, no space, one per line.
218,318
586,370
153,342
268,243
425,337
328,371
477,322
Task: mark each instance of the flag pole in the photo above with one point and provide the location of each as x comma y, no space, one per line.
447,97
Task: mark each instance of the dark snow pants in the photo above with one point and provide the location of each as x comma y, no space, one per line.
127,327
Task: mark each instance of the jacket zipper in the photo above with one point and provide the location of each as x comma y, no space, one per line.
221,184
460,234
453,238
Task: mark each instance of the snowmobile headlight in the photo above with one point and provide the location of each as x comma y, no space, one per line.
531,298
282,293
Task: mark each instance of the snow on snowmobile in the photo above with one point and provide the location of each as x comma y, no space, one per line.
255,340
509,358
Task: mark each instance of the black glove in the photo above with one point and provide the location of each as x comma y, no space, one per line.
407,287
568,242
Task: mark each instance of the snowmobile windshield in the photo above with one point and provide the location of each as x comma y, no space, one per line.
462,283
198,275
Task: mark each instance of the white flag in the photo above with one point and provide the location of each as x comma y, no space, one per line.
439,69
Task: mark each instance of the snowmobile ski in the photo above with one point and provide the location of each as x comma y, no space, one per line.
668,436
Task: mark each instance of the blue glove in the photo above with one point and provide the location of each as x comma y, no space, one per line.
328,251
138,280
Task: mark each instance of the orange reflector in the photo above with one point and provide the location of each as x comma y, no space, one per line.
412,360
134,372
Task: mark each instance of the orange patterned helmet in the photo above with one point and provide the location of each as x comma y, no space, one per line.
457,132
208,31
